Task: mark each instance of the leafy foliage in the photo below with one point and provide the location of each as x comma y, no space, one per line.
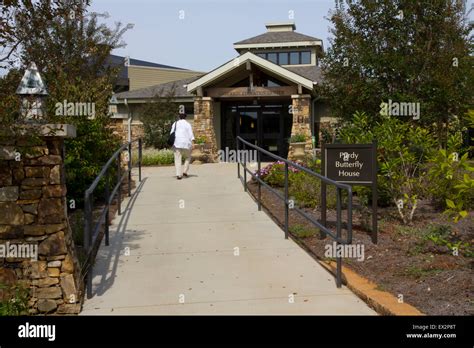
154,157
302,231
403,149
157,117
71,50
406,51
446,171
297,138
305,189
16,301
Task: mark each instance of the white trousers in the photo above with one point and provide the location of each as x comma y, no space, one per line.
178,154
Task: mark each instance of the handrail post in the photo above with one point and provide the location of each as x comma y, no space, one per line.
338,235
88,239
119,182
286,200
129,169
140,159
349,215
259,183
322,235
107,206
238,158
245,170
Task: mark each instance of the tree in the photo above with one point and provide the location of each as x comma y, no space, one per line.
71,50
400,50
157,116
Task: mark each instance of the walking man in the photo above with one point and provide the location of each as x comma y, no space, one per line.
182,145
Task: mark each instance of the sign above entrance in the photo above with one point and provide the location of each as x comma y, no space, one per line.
232,92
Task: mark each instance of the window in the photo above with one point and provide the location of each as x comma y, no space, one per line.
283,58
272,57
273,83
294,58
287,58
306,57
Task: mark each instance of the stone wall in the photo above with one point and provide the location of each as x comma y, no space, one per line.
301,121
120,128
204,126
33,211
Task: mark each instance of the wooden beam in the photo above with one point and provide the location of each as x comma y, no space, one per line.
248,66
300,89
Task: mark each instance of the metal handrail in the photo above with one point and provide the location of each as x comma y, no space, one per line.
284,197
91,233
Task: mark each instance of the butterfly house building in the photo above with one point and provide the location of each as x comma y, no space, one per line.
266,94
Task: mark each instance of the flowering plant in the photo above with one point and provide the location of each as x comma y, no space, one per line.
274,173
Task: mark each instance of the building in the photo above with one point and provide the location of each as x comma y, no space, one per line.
265,94
139,82
136,74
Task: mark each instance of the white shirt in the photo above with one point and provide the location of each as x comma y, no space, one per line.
183,135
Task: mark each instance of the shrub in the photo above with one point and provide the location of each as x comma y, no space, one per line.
305,189
298,138
313,164
301,231
87,154
403,149
14,301
452,185
441,235
154,157
201,140
274,173
157,117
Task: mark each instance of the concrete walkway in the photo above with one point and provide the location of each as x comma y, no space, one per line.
202,241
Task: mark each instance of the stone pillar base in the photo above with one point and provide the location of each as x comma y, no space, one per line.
204,127
33,219
301,122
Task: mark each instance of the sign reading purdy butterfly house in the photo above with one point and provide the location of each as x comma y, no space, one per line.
349,163
353,164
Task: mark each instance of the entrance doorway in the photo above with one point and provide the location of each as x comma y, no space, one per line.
267,125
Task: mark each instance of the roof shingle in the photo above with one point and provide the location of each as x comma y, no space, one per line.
162,89
277,37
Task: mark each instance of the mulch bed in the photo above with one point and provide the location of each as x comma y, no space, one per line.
428,276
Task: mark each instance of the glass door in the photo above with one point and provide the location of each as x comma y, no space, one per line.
267,125
247,124
271,129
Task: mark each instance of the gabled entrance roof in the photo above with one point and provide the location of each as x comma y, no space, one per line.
259,61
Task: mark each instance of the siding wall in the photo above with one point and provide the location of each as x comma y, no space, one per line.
141,77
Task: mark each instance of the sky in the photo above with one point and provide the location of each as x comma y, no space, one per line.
199,34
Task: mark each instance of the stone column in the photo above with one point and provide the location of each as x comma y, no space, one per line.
301,120
204,125
33,217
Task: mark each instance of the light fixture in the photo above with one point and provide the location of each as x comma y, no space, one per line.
32,91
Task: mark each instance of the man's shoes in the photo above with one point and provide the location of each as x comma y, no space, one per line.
186,175
179,177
